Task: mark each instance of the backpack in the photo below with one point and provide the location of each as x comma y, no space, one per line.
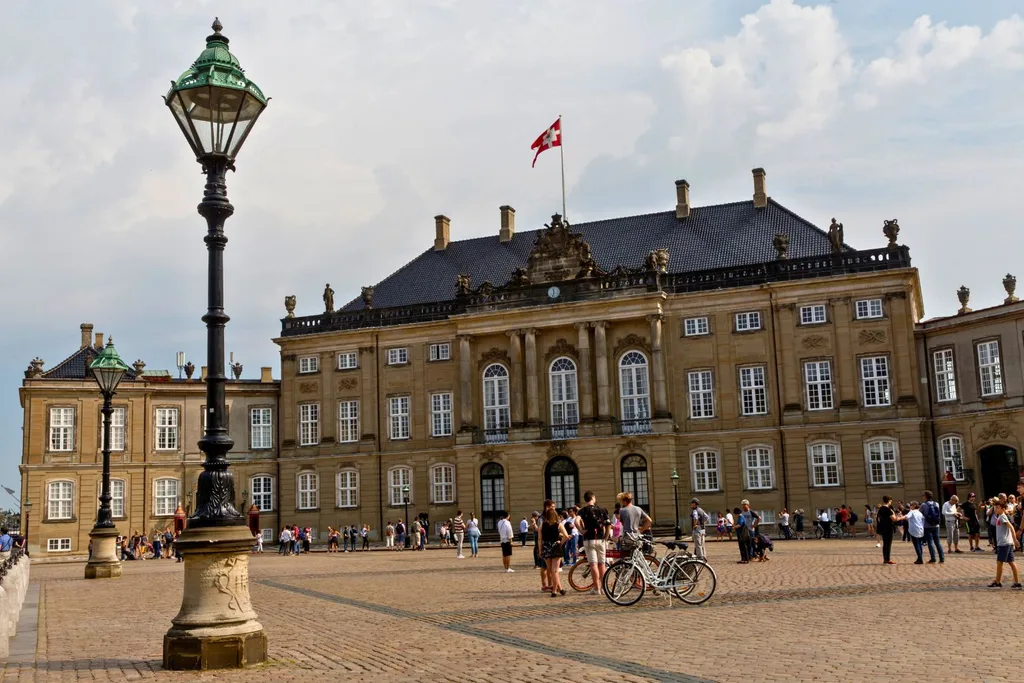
932,515
853,517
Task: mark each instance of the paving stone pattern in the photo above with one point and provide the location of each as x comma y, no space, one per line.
818,611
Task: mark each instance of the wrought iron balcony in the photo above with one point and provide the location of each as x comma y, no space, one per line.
627,427
488,436
559,432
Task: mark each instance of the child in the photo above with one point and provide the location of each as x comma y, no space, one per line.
1005,542
761,544
720,527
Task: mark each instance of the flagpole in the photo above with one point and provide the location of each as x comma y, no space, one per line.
561,152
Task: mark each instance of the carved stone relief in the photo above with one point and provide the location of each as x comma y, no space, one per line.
871,337
631,340
490,454
814,342
560,348
308,387
994,430
633,446
345,384
494,355
559,448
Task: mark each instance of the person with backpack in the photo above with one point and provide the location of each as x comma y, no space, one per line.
915,527
932,521
592,522
698,519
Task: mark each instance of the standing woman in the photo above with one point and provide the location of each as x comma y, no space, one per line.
459,532
869,519
742,530
473,532
539,561
553,536
884,527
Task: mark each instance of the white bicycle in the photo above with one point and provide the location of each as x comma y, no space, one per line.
687,577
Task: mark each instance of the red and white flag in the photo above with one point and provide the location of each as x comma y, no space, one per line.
552,137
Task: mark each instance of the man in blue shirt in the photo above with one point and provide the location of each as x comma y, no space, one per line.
6,542
932,519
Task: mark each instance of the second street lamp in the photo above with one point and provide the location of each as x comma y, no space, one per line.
108,370
405,496
675,496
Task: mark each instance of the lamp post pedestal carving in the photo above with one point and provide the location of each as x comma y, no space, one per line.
103,563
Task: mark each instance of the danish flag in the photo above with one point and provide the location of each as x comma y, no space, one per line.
552,137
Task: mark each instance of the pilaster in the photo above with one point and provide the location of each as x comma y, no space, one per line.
586,383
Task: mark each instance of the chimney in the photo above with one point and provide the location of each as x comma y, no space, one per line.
508,223
441,225
265,375
99,340
760,193
86,334
682,199
202,373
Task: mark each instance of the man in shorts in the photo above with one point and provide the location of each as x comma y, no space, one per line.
592,522
698,518
1005,542
505,536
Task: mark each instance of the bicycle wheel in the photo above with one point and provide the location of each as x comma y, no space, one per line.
695,582
624,584
653,563
818,533
581,578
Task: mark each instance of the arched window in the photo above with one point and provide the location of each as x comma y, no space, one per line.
442,479
492,494
634,480
309,491
399,478
635,390
565,402
496,404
348,488
825,464
952,448
261,486
757,461
165,496
563,482
60,499
705,471
882,461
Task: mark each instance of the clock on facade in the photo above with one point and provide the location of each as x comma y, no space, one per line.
553,292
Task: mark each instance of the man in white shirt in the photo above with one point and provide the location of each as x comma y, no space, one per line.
951,515
826,528
524,531
286,542
505,535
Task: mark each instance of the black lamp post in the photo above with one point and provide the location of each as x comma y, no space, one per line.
27,508
408,526
675,496
108,370
215,105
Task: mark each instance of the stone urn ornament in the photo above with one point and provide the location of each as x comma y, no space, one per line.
236,370
289,306
891,229
1010,285
139,366
189,369
964,295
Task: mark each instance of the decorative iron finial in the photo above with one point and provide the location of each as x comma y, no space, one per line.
236,370
781,244
1010,285
964,295
189,369
217,26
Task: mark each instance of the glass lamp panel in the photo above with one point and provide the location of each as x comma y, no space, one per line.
181,115
108,378
214,112
246,117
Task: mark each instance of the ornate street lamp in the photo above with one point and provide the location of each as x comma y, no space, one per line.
108,370
408,536
215,105
27,508
675,496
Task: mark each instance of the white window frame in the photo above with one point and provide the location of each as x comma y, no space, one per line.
62,429
951,447
875,385
264,498
813,314
564,394
868,309
117,497
307,490
767,517
399,417
261,428
701,390
440,351
442,483
167,420
309,424
635,391
818,385
831,462
58,545
60,499
760,475
696,327
347,496
118,429
348,360
398,477
748,320
705,464
268,535
348,421
496,398
166,503
753,390
944,367
441,421
990,369
309,364
398,356
886,454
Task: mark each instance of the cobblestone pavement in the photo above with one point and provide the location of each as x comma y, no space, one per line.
819,610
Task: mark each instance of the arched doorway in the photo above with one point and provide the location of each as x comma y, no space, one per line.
492,495
999,470
562,479
634,480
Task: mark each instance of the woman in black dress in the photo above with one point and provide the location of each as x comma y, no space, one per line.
552,536
884,526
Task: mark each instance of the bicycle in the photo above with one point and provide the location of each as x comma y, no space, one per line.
689,578
582,579
835,529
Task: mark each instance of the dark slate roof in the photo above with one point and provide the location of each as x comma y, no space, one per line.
75,365
719,236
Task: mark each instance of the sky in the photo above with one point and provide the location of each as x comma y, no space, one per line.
386,113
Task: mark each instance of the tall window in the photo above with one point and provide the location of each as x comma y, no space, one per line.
989,369
565,406
348,489
399,478
635,390
563,482
60,498
261,428
348,421
753,391
442,479
492,494
167,429
952,448
165,496
634,479
117,429
398,416
262,487
702,394
869,308
758,462
874,377
824,464
309,424
705,471
496,406
117,497
441,414
882,462
62,429
308,489
945,375
818,378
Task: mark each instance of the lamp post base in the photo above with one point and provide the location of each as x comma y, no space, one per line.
103,564
216,627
